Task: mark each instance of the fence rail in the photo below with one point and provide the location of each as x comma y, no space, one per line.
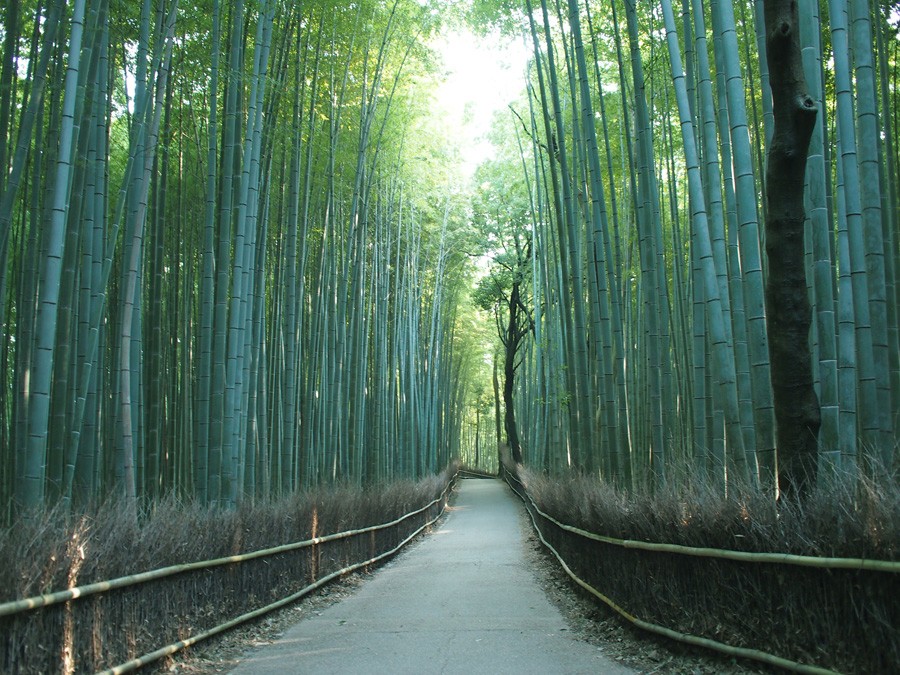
729,554
476,473
90,626
838,565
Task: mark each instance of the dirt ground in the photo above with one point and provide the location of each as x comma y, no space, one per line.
587,618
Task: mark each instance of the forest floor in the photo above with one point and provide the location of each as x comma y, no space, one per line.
585,621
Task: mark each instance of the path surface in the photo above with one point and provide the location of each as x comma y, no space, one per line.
461,601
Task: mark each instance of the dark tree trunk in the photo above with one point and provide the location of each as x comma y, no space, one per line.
497,416
477,436
787,302
511,344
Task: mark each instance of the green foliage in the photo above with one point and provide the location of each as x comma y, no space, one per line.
507,16
327,253
351,199
501,219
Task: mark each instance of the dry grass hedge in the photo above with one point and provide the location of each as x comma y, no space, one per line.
847,620
54,551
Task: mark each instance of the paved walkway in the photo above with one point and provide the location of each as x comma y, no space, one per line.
463,600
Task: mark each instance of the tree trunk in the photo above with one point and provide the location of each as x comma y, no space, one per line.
497,416
787,303
511,346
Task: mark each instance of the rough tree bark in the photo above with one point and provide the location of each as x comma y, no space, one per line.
787,303
514,335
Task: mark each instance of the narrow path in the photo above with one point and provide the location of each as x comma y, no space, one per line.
461,601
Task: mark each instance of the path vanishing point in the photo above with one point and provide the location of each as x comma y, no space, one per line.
463,600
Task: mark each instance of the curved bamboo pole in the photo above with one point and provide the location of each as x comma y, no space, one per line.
134,664
715,645
38,601
889,566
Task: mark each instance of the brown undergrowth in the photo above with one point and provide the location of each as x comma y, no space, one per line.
54,551
842,619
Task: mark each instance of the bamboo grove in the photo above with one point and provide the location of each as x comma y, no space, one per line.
223,271
645,134
235,259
